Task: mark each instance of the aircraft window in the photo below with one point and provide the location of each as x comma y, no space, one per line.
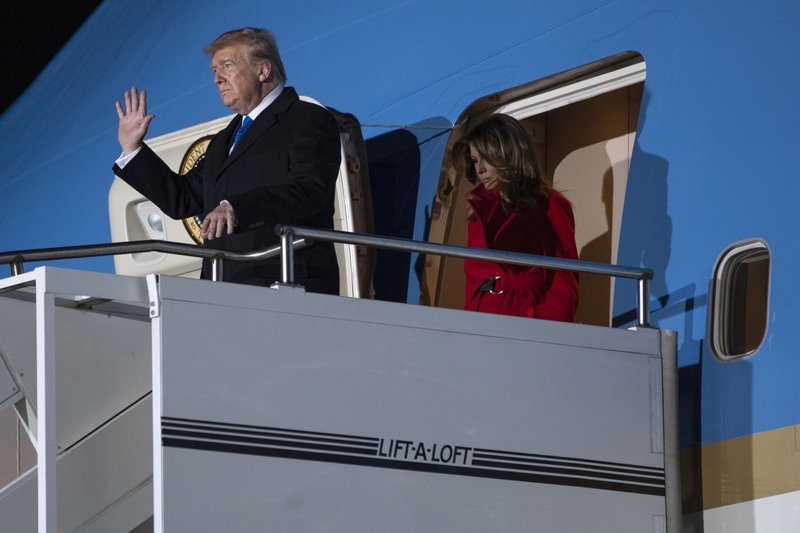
740,300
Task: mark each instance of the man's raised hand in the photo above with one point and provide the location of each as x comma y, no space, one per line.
133,121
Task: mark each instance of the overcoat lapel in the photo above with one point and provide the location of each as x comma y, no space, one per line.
217,151
266,120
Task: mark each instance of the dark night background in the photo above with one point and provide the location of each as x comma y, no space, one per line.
31,34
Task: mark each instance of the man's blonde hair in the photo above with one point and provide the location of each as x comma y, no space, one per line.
260,45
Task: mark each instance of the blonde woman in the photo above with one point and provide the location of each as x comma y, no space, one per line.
512,208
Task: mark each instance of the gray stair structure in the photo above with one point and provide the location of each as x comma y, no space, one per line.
102,435
281,410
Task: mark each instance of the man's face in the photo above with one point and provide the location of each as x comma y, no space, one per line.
237,80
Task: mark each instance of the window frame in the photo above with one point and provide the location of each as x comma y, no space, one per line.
722,280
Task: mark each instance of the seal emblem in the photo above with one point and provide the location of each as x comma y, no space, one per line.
193,156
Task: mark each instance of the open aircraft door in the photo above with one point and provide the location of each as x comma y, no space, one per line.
583,126
133,217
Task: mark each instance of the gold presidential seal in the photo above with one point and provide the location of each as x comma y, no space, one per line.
193,156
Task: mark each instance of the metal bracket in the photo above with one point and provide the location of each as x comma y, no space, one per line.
152,295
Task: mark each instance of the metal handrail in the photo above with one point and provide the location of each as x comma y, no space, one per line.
17,259
641,275
292,237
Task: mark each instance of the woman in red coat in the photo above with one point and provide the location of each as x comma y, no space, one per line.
513,209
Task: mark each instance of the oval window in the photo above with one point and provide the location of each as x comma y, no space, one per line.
740,300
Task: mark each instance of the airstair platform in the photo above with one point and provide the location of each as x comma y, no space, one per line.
219,407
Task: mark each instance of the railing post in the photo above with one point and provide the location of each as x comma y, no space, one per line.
287,257
17,267
216,268
644,303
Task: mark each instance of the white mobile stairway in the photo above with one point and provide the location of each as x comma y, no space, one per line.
191,405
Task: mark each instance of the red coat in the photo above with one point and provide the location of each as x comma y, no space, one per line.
523,291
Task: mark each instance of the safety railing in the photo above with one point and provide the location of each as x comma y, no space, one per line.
292,237
17,260
642,275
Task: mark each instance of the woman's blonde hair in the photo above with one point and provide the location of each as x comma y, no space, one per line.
503,143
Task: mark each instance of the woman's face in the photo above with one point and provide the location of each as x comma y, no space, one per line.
485,172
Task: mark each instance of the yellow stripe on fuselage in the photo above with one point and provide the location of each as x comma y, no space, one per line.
742,469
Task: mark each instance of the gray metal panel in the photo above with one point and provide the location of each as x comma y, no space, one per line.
107,479
103,366
415,316
302,362
18,340
18,504
93,461
244,494
103,360
105,482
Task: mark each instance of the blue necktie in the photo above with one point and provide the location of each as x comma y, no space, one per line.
243,128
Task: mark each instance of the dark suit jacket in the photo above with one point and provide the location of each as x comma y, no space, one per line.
283,170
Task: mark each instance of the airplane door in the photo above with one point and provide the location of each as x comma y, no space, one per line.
583,124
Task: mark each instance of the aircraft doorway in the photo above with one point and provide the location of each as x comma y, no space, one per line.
583,126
